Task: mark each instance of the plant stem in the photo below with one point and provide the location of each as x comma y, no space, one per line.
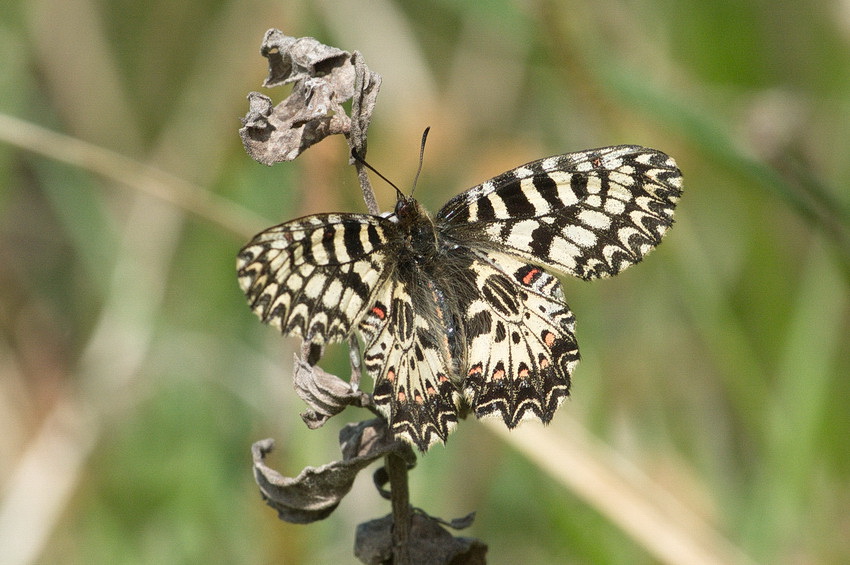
397,473
366,187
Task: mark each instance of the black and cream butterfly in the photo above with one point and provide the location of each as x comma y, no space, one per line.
461,311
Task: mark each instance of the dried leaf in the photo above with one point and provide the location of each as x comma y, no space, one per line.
297,58
325,394
430,544
456,524
317,491
323,78
366,87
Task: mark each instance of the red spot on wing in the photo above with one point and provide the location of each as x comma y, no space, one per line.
530,276
379,312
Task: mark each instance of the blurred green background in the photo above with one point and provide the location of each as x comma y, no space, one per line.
709,420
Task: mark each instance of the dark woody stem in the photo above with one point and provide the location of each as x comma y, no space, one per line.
397,473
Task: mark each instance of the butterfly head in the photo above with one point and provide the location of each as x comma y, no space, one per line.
408,210
419,231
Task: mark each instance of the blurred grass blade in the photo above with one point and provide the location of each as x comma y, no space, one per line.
669,531
131,173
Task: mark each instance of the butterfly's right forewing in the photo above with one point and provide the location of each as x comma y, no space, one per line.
315,276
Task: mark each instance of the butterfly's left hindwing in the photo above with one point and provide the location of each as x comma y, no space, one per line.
521,342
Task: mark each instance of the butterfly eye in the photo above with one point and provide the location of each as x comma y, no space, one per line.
405,207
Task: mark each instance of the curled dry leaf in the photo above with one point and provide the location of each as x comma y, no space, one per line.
430,543
299,58
325,394
317,491
366,87
322,78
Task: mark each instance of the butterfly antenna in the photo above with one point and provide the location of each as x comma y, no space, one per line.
363,162
421,158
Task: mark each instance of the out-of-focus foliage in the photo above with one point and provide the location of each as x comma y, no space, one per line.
134,378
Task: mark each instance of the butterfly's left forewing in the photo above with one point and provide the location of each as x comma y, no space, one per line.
590,214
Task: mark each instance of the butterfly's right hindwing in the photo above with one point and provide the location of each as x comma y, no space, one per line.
314,277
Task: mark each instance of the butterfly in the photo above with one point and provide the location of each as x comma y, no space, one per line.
462,312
